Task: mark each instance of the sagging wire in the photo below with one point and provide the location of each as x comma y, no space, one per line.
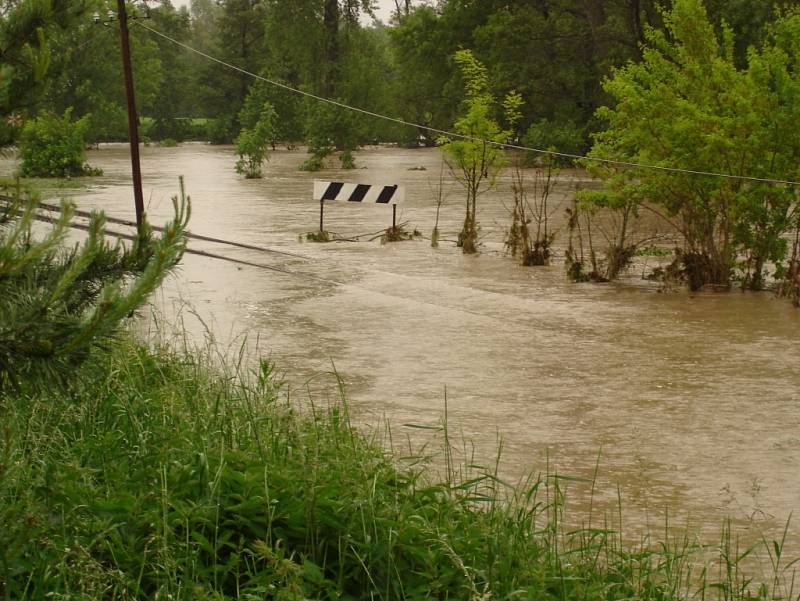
448,134
211,255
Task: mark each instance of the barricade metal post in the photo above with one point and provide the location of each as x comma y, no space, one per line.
394,216
321,213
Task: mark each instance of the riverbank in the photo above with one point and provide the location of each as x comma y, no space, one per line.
157,477
690,399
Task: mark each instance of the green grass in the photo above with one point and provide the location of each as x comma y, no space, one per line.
157,477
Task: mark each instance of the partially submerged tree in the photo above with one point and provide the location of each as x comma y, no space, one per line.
789,285
254,141
54,146
614,216
475,159
531,235
61,303
330,129
687,106
439,197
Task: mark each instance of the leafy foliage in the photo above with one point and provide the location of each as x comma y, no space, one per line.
474,160
554,53
53,146
330,128
563,136
25,59
153,478
253,142
686,105
61,303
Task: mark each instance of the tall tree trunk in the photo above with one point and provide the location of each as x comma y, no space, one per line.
636,24
403,8
331,19
244,52
596,17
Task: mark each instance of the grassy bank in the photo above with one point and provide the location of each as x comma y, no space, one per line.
156,477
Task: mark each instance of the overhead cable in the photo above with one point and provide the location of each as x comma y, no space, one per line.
118,221
210,255
505,145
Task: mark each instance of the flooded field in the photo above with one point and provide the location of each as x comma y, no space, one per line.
690,402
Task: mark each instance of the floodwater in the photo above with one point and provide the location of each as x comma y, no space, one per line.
690,402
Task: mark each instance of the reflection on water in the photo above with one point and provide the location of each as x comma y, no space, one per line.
691,401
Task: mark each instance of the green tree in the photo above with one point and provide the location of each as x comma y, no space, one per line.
421,71
60,303
241,40
330,128
252,143
85,74
53,146
25,57
475,159
687,106
176,100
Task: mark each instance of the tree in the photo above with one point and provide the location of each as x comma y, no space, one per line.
175,101
475,159
53,146
531,244
24,59
252,144
61,303
687,106
422,72
241,32
86,77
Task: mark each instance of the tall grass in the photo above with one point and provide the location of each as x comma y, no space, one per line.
156,476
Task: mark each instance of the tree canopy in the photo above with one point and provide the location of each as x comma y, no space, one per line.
687,105
555,53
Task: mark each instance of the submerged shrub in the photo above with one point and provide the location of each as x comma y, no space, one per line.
316,162
252,144
347,160
54,146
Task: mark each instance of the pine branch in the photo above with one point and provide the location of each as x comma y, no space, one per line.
60,304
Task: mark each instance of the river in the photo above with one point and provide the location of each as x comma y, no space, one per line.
690,402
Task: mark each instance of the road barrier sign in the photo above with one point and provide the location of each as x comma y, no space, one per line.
363,193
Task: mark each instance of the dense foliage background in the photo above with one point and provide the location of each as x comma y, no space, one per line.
555,53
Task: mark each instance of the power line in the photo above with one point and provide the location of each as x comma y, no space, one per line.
449,134
222,241
191,251
117,221
244,262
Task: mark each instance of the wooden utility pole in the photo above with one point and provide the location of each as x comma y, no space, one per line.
133,121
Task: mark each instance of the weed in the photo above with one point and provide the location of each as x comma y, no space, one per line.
398,233
157,477
347,160
316,162
321,236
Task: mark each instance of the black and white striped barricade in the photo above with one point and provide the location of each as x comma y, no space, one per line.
363,193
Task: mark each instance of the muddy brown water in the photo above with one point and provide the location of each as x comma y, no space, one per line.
691,402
